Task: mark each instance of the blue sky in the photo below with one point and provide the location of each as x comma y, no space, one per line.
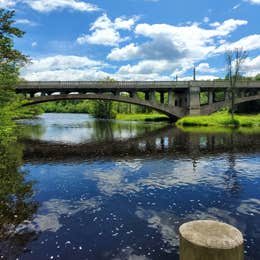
135,39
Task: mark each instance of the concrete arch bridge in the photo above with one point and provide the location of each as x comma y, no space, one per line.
176,98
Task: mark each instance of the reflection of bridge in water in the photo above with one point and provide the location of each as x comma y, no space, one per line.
176,99
165,142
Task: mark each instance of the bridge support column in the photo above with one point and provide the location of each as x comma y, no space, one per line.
194,101
132,94
226,95
152,96
210,97
171,97
162,97
116,93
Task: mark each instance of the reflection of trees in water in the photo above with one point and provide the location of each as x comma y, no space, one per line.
230,177
16,205
32,131
108,130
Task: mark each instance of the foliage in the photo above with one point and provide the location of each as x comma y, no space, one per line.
16,203
220,119
103,109
11,59
142,117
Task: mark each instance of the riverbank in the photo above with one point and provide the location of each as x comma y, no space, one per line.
154,117
220,119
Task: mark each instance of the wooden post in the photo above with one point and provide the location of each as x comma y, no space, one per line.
210,240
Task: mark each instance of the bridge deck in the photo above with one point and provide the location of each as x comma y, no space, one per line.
130,85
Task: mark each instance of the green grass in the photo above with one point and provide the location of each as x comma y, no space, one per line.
220,119
156,117
219,130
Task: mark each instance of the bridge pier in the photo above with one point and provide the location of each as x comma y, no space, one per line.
171,97
210,97
133,94
194,101
152,97
162,97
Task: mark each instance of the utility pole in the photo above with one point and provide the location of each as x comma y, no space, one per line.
194,73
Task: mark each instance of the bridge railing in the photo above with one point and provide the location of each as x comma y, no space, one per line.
134,84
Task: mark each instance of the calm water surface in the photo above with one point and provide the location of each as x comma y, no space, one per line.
120,190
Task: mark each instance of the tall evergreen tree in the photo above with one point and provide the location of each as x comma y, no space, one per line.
11,60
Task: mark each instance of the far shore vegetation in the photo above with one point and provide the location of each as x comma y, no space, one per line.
222,118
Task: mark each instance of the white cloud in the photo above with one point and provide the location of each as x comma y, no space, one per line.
7,3
256,2
34,44
52,5
67,75
173,49
251,42
236,6
205,68
25,22
148,66
251,67
206,19
105,32
175,42
199,77
64,68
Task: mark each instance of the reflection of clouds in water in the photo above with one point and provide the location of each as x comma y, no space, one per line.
67,135
132,166
128,254
249,207
121,178
176,173
113,181
129,176
167,223
55,208
163,221
248,169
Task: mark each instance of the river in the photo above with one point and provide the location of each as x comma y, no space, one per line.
80,188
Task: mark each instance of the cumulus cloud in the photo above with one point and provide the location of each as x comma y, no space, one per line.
252,66
25,22
175,42
7,3
170,48
256,2
249,43
64,68
205,68
104,31
50,5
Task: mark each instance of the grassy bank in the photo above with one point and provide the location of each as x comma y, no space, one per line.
155,117
220,119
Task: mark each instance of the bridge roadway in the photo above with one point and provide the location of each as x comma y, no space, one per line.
177,98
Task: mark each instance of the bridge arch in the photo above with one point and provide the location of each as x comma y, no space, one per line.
171,111
209,109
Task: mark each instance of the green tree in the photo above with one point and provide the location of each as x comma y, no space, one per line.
234,59
103,109
257,77
11,60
